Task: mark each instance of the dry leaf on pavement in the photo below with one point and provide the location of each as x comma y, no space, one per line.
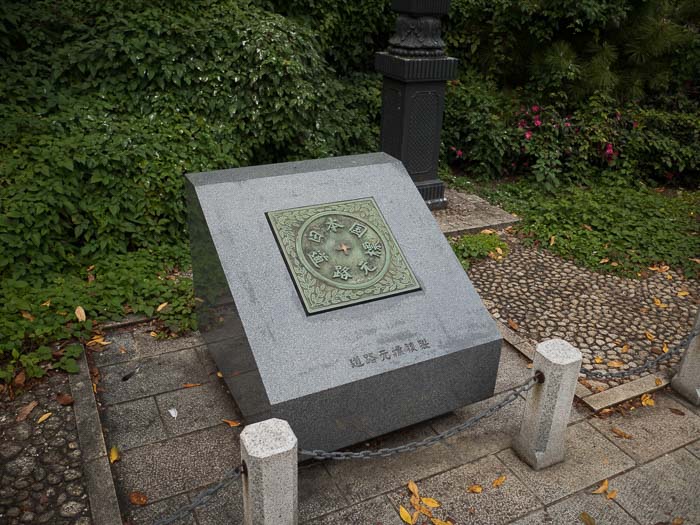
430,502
612,494
162,307
513,324
191,385
44,417
603,488
80,314
231,422
413,488
64,399
475,489
586,518
113,454
498,481
25,411
405,515
138,498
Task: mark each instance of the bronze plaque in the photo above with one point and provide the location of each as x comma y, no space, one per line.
341,253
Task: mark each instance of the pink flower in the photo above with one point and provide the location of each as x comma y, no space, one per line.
537,121
522,124
609,148
459,153
567,124
535,109
452,148
528,135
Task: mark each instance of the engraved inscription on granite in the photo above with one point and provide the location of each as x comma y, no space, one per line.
341,253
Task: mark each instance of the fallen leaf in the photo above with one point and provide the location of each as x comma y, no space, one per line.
80,314
91,268
529,365
683,293
219,375
122,350
658,382
162,307
44,418
173,412
415,501
603,261
438,521
620,433
665,348
586,518
498,481
677,411
430,502
647,400
64,399
154,334
586,227
28,316
625,349
598,360
191,385
663,268
113,454
612,494
424,510
138,498
231,422
669,277
20,379
499,251
487,231
678,521
94,388
615,364
25,411
649,335
552,240
614,264
697,261
405,515
475,489
513,324
46,303
603,488
413,488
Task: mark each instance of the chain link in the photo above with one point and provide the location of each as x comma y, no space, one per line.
415,445
203,497
652,363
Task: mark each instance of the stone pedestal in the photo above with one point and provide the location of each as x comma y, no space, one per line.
415,70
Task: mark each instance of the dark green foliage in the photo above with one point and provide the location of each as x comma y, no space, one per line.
469,248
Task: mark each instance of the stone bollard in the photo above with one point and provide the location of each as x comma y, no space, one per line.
269,455
687,381
542,438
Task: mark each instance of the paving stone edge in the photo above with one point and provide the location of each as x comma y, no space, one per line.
100,485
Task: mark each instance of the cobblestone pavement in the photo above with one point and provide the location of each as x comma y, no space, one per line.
608,318
40,463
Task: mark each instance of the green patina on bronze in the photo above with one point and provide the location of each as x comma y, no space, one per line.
341,253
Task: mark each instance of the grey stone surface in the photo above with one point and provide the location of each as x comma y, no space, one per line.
694,448
132,424
318,493
270,486
603,511
178,465
664,489
87,419
225,508
626,391
302,370
123,348
151,376
542,437
467,213
590,458
377,511
654,430
101,491
360,480
512,369
198,407
150,513
494,505
148,346
687,379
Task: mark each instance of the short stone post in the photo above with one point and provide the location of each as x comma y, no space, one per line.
269,454
542,437
687,381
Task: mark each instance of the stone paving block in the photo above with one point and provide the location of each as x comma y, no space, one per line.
360,480
178,465
493,506
512,369
132,424
377,511
148,346
197,407
488,436
318,493
694,448
123,348
154,376
654,430
589,458
207,361
224,508
468,213
626,391
579,412
150,513
597,506
664,489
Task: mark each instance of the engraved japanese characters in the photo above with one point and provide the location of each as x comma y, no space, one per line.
341,253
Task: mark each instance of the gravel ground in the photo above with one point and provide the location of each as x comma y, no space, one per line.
605,316
40,463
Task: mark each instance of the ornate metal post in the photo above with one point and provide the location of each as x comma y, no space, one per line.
415,71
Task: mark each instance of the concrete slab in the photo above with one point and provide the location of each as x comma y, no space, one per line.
582,391
489,436
198,407
178,465
520,342
224,508
132,424
512,369
597,506
377,511
318,493
626,391
148,346
123,348
360,480
660,491
694,448
493,506
589,459
150,513
100,488
654,430
467,213
154,376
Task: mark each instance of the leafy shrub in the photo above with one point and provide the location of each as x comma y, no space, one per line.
469,248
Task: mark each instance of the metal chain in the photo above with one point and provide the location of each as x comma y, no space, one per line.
652,363
203,496
415,445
